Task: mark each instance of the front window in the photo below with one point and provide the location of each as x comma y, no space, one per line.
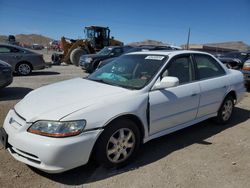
90,33
129,71
180,68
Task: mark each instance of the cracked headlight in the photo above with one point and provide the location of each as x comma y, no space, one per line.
57,129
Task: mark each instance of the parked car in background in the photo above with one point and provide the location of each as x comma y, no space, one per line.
246,72
135,98
234,60
138,49
6,76
22,60
90,62
37,47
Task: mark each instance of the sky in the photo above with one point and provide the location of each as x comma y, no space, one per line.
131,20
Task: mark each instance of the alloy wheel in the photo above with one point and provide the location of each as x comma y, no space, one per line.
227,110
24,69
120,145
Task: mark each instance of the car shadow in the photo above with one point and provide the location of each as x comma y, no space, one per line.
39,73
149,152
13,93
44,73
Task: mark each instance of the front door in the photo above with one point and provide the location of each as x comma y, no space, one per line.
177,105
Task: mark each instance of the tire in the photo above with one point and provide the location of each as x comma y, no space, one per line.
226,110
114,149
248,86
55,58
23,69
76,54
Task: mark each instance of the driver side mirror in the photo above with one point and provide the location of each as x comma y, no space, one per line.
166,82
112,54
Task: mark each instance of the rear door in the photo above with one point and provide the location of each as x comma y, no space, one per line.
213,83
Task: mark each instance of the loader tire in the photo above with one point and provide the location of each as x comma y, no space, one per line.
76,54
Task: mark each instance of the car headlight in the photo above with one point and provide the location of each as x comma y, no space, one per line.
88,60
57,129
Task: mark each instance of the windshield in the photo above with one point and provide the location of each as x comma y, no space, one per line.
129,71
105,51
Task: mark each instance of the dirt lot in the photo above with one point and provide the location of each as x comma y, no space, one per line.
204,155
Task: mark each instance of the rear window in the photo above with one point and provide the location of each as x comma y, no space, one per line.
208,67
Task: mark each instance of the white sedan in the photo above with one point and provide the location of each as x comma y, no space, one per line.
137,97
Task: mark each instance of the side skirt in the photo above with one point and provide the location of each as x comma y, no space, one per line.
177,127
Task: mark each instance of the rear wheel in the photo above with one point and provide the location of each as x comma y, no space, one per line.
226,110
118,144
23,69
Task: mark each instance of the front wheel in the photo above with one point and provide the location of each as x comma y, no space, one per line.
118,144
226,110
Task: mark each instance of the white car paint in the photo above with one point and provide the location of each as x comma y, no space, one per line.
171,109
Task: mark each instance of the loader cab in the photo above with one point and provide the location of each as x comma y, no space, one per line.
98,36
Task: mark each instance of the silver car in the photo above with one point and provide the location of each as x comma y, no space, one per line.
22,60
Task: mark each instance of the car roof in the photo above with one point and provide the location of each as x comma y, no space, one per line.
11,45
119,46
169,52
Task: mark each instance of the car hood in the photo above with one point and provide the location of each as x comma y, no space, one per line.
56,101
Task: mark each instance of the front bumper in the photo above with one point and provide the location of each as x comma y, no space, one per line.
52,155
85,66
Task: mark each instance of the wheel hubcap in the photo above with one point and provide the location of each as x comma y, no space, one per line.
120,145
24,69
227,110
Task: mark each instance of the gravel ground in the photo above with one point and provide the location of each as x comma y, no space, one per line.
204,155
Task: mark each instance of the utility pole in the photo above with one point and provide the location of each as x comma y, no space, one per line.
187,46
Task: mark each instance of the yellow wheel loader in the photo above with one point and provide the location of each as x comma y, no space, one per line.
96,38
